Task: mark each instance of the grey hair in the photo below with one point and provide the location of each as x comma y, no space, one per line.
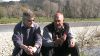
28,14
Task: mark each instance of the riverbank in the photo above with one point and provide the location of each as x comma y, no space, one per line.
6,45
85,34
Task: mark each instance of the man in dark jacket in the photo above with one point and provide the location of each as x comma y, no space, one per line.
57,39
27,38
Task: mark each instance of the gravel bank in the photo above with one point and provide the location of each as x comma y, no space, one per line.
6,45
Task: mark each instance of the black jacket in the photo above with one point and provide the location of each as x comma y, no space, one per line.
49,31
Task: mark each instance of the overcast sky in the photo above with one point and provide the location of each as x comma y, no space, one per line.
11,0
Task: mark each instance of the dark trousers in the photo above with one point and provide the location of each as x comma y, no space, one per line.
35,54
60,51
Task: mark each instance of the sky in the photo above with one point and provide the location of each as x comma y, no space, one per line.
10,0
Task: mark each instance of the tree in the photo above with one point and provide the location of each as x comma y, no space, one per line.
1,11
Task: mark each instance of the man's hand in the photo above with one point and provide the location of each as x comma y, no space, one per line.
72,42
58,42
32,49
26,49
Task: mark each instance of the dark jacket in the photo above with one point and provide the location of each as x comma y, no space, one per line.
28,36
48,34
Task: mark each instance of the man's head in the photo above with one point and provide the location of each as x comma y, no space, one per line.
28,18
58,20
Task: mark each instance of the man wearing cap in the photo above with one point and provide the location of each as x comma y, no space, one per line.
26,37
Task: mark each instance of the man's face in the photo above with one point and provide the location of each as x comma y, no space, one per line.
28,21
58,21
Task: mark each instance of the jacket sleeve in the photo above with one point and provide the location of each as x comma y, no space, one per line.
47,38
17,38
38,38
70,35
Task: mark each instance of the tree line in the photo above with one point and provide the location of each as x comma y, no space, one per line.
47,8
